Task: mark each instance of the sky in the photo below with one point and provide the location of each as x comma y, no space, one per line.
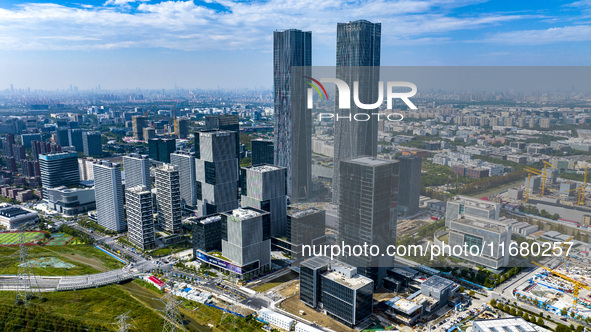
150,44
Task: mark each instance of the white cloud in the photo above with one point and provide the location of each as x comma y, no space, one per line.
186,26
576,33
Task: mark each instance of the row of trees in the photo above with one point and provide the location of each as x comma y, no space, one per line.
83,237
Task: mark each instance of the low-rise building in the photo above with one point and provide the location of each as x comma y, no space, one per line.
13,216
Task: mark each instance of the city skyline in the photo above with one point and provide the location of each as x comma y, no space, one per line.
125,44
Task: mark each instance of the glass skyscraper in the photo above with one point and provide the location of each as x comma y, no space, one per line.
368,211
293,121
358,59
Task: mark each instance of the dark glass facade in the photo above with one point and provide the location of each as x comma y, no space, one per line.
293,121
358,59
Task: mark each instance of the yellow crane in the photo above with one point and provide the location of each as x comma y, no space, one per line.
546,164
577,284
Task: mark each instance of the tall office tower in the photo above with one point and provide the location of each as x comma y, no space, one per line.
409,185
149,133
92,142
28,138
245,238
305,226
36,149
108,191
311,271
216,170
58,169
230,122
185,162
11,164
262,152
181,127
137,170
19,152
8,144
75,139
168,198
265,187
160,149
140,217
358,59
62,137
367,211
86,165
138,123
293,120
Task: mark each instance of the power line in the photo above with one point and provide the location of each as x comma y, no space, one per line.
122,322
172,319
27,284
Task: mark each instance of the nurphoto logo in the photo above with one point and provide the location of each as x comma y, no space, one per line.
344,99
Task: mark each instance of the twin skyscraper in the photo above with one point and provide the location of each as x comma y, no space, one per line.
357,59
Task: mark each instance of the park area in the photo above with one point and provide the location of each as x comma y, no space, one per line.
33,238
59,260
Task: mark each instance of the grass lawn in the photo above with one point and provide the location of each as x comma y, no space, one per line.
87,259
97,306
13,238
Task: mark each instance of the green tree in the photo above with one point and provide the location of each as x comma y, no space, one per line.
540,322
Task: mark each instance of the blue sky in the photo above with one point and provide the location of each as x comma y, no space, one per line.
119,44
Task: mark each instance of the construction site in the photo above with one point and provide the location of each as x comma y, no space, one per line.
562,291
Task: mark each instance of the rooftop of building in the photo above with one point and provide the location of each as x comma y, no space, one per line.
58,155
356,282
304,212
438,283
405,306
208,219
265,168
480,223
316,262
370,161
516,324
139,189
243,213
12,211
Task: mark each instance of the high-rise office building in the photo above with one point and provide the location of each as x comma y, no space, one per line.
137,170
358,59
216,168
59,169
262,152
140,217
305,226
409,185
181,127
265,187
367,211
311,271
62,137
345,295
229,122
75,139
92,143
185,162
245,239
207,233
28,138
108,191
149,133
242,234
293,120
159,149
138,123
168,198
